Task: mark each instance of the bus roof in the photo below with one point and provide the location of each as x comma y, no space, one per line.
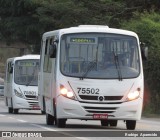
29,56
89,29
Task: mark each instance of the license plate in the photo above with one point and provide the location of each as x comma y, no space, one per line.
100,116
35,107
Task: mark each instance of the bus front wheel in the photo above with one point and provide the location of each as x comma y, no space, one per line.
104,123
61,123
10,110
15,111
43,112
49,119
113,123
130,124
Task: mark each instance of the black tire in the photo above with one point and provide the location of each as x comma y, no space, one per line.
130,124
44,107
104,122
61,123
10,110
113,123
54,107
15,111
6,101
43,112
49,119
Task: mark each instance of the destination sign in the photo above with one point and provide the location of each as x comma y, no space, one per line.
83,40
27,64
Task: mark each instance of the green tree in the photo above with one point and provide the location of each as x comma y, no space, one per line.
27,20
18,22
147,26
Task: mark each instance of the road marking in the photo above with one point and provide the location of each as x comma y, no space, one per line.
17,119
21,120
64,132
49,129
2,115
82,138
11,117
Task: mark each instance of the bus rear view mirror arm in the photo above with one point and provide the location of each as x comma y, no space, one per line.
11,70
144,51
52,51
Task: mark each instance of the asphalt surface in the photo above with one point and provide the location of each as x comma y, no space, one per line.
34,122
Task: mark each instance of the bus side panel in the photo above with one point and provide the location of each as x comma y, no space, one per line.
8,94
49,88
8,86
53,86
40,92
40,80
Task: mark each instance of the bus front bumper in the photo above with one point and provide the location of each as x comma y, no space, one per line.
71,109
20,103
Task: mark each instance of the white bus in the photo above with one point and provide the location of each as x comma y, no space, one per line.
21,83
91,73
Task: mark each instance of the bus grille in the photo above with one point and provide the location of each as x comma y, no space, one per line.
32,100
33,104
100,109
106,98
31,97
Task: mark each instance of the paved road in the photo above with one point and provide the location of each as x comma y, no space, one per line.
33,120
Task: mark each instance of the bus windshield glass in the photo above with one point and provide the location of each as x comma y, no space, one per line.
26,72
99,56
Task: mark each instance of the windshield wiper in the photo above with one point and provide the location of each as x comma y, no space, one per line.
33,75
91,65
30,81
117,65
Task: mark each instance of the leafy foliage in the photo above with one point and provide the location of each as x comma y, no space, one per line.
28,20
18,21
148,29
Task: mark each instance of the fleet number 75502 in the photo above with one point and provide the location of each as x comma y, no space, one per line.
88,90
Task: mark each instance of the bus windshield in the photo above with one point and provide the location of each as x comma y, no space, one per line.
26,72
99,56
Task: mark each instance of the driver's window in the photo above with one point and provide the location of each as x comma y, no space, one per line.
47,63
9,74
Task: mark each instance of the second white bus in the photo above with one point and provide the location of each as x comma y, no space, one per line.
21,83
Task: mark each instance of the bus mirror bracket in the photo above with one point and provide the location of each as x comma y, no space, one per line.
52,50
144,51
11,70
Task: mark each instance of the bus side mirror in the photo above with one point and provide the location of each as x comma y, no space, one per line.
144,51
11,70
52,51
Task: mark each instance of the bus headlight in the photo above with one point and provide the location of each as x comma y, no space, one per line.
133,95
66,93
18,94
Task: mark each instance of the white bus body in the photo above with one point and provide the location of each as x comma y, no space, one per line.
21,83
91,73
